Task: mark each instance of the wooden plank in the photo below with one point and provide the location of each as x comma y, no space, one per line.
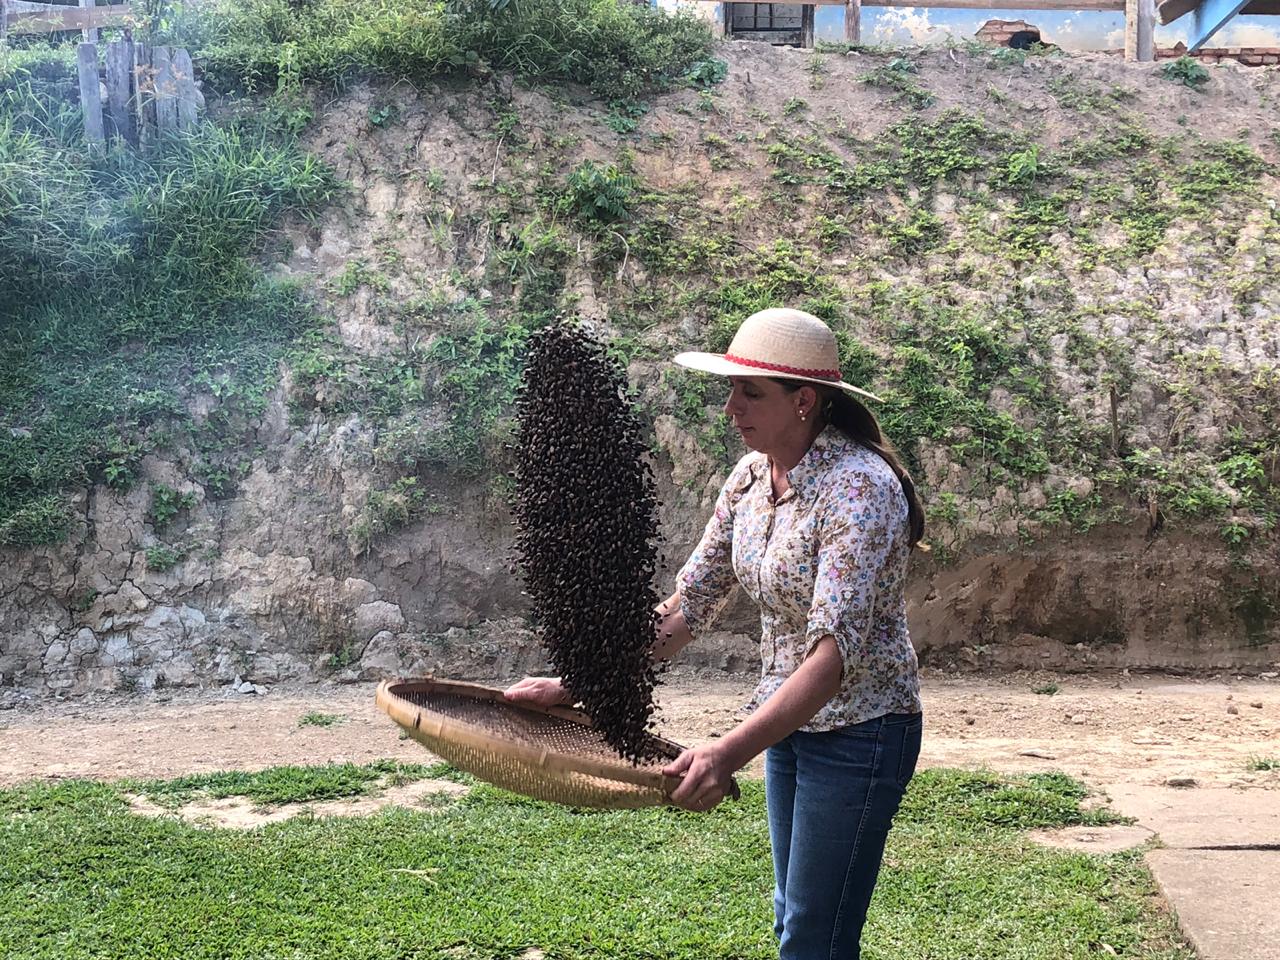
26,6
120,89
1209,18
806,26
1170,10
852,21
190,99
90,95
54,19
166,91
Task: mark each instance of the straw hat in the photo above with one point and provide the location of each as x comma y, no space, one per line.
778,342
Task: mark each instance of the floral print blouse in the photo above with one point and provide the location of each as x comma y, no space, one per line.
827,557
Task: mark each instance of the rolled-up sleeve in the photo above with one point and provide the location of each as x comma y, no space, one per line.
706,580
856,537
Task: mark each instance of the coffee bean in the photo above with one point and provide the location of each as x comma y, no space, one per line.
586,540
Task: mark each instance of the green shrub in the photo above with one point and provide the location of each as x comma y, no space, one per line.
1071,509
162,557
913,234
624,115
599,194
167,503
617,49
1187,71
707,73
478,374
898,75
388,510
1023,166
955,143
535,262
1181,486
35,521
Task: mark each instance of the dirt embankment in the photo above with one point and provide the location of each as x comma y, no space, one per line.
1139,330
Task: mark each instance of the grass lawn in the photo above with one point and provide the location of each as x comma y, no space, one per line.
490,875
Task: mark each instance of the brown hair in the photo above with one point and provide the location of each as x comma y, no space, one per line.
860,425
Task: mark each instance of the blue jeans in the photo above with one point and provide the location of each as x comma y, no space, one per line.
831,798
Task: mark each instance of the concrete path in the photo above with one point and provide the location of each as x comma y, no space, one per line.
1220,866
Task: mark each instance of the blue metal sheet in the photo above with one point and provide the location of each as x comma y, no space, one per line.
1210,17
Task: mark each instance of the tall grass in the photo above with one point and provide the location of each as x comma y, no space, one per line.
617,49
124,276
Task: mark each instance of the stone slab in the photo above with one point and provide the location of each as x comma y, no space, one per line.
1225,900
1109,839
1203,816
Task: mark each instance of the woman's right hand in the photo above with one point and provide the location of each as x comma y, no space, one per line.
538,691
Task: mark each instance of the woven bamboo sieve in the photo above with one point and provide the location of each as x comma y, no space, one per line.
549,753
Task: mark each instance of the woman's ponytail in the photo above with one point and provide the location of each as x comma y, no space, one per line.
860,425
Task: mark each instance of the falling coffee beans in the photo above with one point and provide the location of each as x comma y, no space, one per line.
584,508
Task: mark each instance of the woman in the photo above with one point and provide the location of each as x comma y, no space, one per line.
816,524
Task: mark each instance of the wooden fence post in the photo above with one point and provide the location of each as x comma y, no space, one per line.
1146,30
120,93
1140,30
88,34
144,95
166,91
90,97
852,21
189,96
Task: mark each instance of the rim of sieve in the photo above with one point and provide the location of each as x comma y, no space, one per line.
391,699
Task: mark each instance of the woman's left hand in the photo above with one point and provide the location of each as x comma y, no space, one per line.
707,774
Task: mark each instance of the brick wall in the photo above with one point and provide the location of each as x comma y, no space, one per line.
998,32
1249,56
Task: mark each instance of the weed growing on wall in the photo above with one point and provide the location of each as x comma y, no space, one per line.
167,503
1186,71
598,194
898,75
954,254
161,558
388,510
939,355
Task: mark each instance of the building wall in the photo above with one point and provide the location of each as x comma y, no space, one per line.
712,12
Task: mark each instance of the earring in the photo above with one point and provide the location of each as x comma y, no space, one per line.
803,416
